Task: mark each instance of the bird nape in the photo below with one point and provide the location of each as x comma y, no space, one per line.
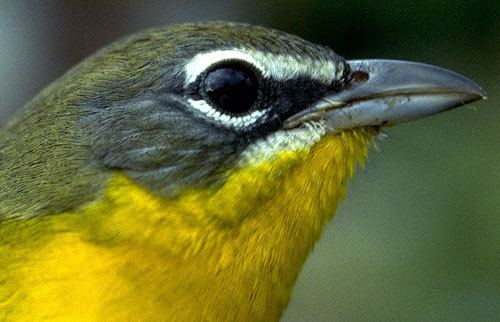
185,173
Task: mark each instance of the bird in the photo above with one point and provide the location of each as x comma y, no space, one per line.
184,173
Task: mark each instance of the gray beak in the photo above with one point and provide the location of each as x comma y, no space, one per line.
388,92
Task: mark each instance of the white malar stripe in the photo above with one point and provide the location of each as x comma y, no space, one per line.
275,143
279,67
225,119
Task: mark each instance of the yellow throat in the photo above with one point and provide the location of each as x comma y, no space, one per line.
232,253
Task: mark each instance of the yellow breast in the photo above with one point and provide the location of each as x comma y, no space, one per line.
226,253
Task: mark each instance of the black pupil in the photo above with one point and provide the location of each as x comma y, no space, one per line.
232,89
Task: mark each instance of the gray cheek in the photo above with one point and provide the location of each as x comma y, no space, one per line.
160,143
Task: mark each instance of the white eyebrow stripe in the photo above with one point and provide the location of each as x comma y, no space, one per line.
280,67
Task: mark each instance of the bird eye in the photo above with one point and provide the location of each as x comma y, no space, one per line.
232,88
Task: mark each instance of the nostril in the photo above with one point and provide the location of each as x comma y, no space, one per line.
359,77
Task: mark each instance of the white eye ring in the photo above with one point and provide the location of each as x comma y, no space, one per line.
225,119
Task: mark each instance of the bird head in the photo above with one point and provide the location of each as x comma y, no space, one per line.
188,106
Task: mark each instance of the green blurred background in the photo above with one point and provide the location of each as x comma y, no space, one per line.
418,237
